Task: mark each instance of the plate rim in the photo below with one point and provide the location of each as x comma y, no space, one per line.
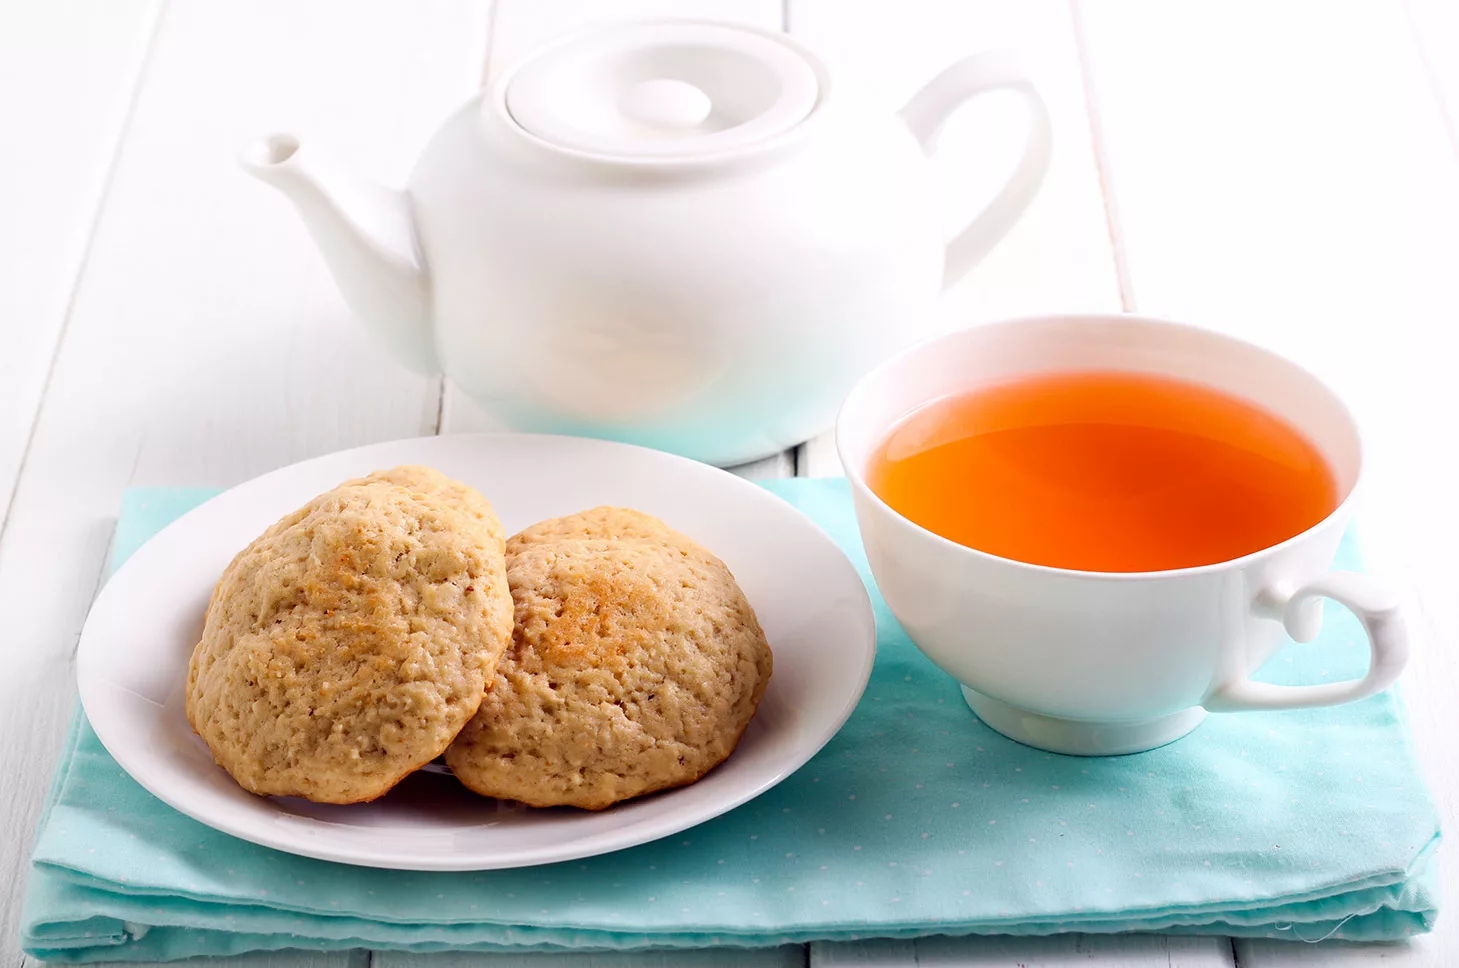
90,683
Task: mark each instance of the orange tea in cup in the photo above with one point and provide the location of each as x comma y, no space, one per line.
1103,471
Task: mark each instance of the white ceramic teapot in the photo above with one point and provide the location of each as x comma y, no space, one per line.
670,233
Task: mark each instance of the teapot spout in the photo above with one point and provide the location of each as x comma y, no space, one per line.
367,235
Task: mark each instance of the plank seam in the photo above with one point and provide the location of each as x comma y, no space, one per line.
74,288
440,405
96,584
1431,75
1102,164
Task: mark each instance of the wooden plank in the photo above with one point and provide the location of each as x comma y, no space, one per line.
1059,255
517,27
68,71
1108,951
206,343
881,953
1314,208
789,956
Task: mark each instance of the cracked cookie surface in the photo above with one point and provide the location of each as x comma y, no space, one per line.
351,641
636,664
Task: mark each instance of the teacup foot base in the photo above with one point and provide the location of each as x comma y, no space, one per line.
1078,738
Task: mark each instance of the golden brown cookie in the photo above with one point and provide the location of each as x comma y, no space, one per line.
635,665
348,644
434,484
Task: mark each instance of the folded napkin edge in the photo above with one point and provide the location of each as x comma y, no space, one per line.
606,941
1179,913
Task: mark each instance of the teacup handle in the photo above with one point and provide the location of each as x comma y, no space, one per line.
930,108
1300,612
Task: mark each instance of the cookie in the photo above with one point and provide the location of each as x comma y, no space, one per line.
635,665
431,482
349,644
621,524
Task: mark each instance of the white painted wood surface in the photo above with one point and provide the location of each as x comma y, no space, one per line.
1109,951
204,343
1283,173
790,956
1286,172
68,72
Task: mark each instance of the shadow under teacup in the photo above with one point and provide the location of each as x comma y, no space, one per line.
1102,663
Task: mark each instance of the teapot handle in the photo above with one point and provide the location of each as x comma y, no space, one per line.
930,108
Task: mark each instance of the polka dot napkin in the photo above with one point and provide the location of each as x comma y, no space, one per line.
915,820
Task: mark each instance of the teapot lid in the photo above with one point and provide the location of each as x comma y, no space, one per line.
665,90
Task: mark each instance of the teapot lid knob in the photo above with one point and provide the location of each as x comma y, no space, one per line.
662,91
665,104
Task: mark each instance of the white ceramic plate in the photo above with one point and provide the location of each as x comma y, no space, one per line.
133,654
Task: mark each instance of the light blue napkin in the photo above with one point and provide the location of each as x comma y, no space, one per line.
915,820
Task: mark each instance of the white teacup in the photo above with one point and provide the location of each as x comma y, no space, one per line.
1098,663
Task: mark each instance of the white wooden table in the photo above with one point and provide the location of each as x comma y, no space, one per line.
1286,171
